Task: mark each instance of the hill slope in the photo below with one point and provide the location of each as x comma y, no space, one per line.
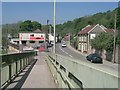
106,19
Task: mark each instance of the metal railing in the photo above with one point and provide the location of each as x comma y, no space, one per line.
13,64
16,46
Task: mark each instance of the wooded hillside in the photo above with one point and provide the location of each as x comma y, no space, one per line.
105,18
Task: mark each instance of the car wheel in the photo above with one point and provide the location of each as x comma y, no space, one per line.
91,61
87,58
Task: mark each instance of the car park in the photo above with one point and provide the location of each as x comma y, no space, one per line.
94,58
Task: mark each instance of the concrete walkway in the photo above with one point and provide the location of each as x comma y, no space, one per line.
40,76
36,75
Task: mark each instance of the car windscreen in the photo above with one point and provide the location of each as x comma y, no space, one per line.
96,55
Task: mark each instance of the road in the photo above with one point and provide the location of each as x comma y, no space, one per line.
67,51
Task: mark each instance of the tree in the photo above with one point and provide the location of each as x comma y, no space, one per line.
118,25
103,41
118,28
26,26
29,26
103,18
36,25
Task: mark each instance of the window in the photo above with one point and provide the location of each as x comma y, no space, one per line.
32,35
85,38
32,41
82,38
41,41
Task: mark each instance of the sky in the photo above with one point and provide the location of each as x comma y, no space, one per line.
13,12
60,0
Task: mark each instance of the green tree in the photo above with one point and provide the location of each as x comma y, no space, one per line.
103,18
36,25
118,28
26,26
118,25
103,41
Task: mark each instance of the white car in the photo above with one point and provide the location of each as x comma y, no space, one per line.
64,45
25,48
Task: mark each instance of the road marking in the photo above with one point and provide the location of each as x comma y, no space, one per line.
71,56
66,52
62,50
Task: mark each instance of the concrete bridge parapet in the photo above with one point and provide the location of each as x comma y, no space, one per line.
70,73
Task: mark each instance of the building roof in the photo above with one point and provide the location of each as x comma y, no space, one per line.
109,30
37,31
88,28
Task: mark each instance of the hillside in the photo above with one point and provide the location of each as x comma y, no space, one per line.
105,18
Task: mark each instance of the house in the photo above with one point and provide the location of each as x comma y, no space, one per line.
87,34
32,39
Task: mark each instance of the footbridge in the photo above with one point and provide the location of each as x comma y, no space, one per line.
48,70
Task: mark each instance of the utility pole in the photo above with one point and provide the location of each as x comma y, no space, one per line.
7,39
114,50
48,26
54,25
50,29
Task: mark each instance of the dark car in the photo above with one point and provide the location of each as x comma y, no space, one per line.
94,58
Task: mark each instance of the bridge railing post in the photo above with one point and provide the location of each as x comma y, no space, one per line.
12,65
10,73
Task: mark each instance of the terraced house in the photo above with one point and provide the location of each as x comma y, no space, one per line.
87,34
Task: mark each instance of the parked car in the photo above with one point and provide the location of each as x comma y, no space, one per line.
64,45
94,58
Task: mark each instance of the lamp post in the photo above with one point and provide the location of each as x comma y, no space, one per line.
114,47
7,39
54,25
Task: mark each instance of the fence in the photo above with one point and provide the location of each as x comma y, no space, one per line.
13,64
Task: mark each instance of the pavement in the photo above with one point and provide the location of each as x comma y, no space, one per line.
40,76
69,46
36,75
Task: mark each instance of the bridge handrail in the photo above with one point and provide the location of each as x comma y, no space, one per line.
80,74
13,64
14,45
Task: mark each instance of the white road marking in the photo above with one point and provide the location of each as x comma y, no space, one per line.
64,51
70,55
61,49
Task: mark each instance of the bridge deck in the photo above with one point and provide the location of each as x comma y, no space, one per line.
39,76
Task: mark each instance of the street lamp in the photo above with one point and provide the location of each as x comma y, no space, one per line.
114,47
7,39
54,25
